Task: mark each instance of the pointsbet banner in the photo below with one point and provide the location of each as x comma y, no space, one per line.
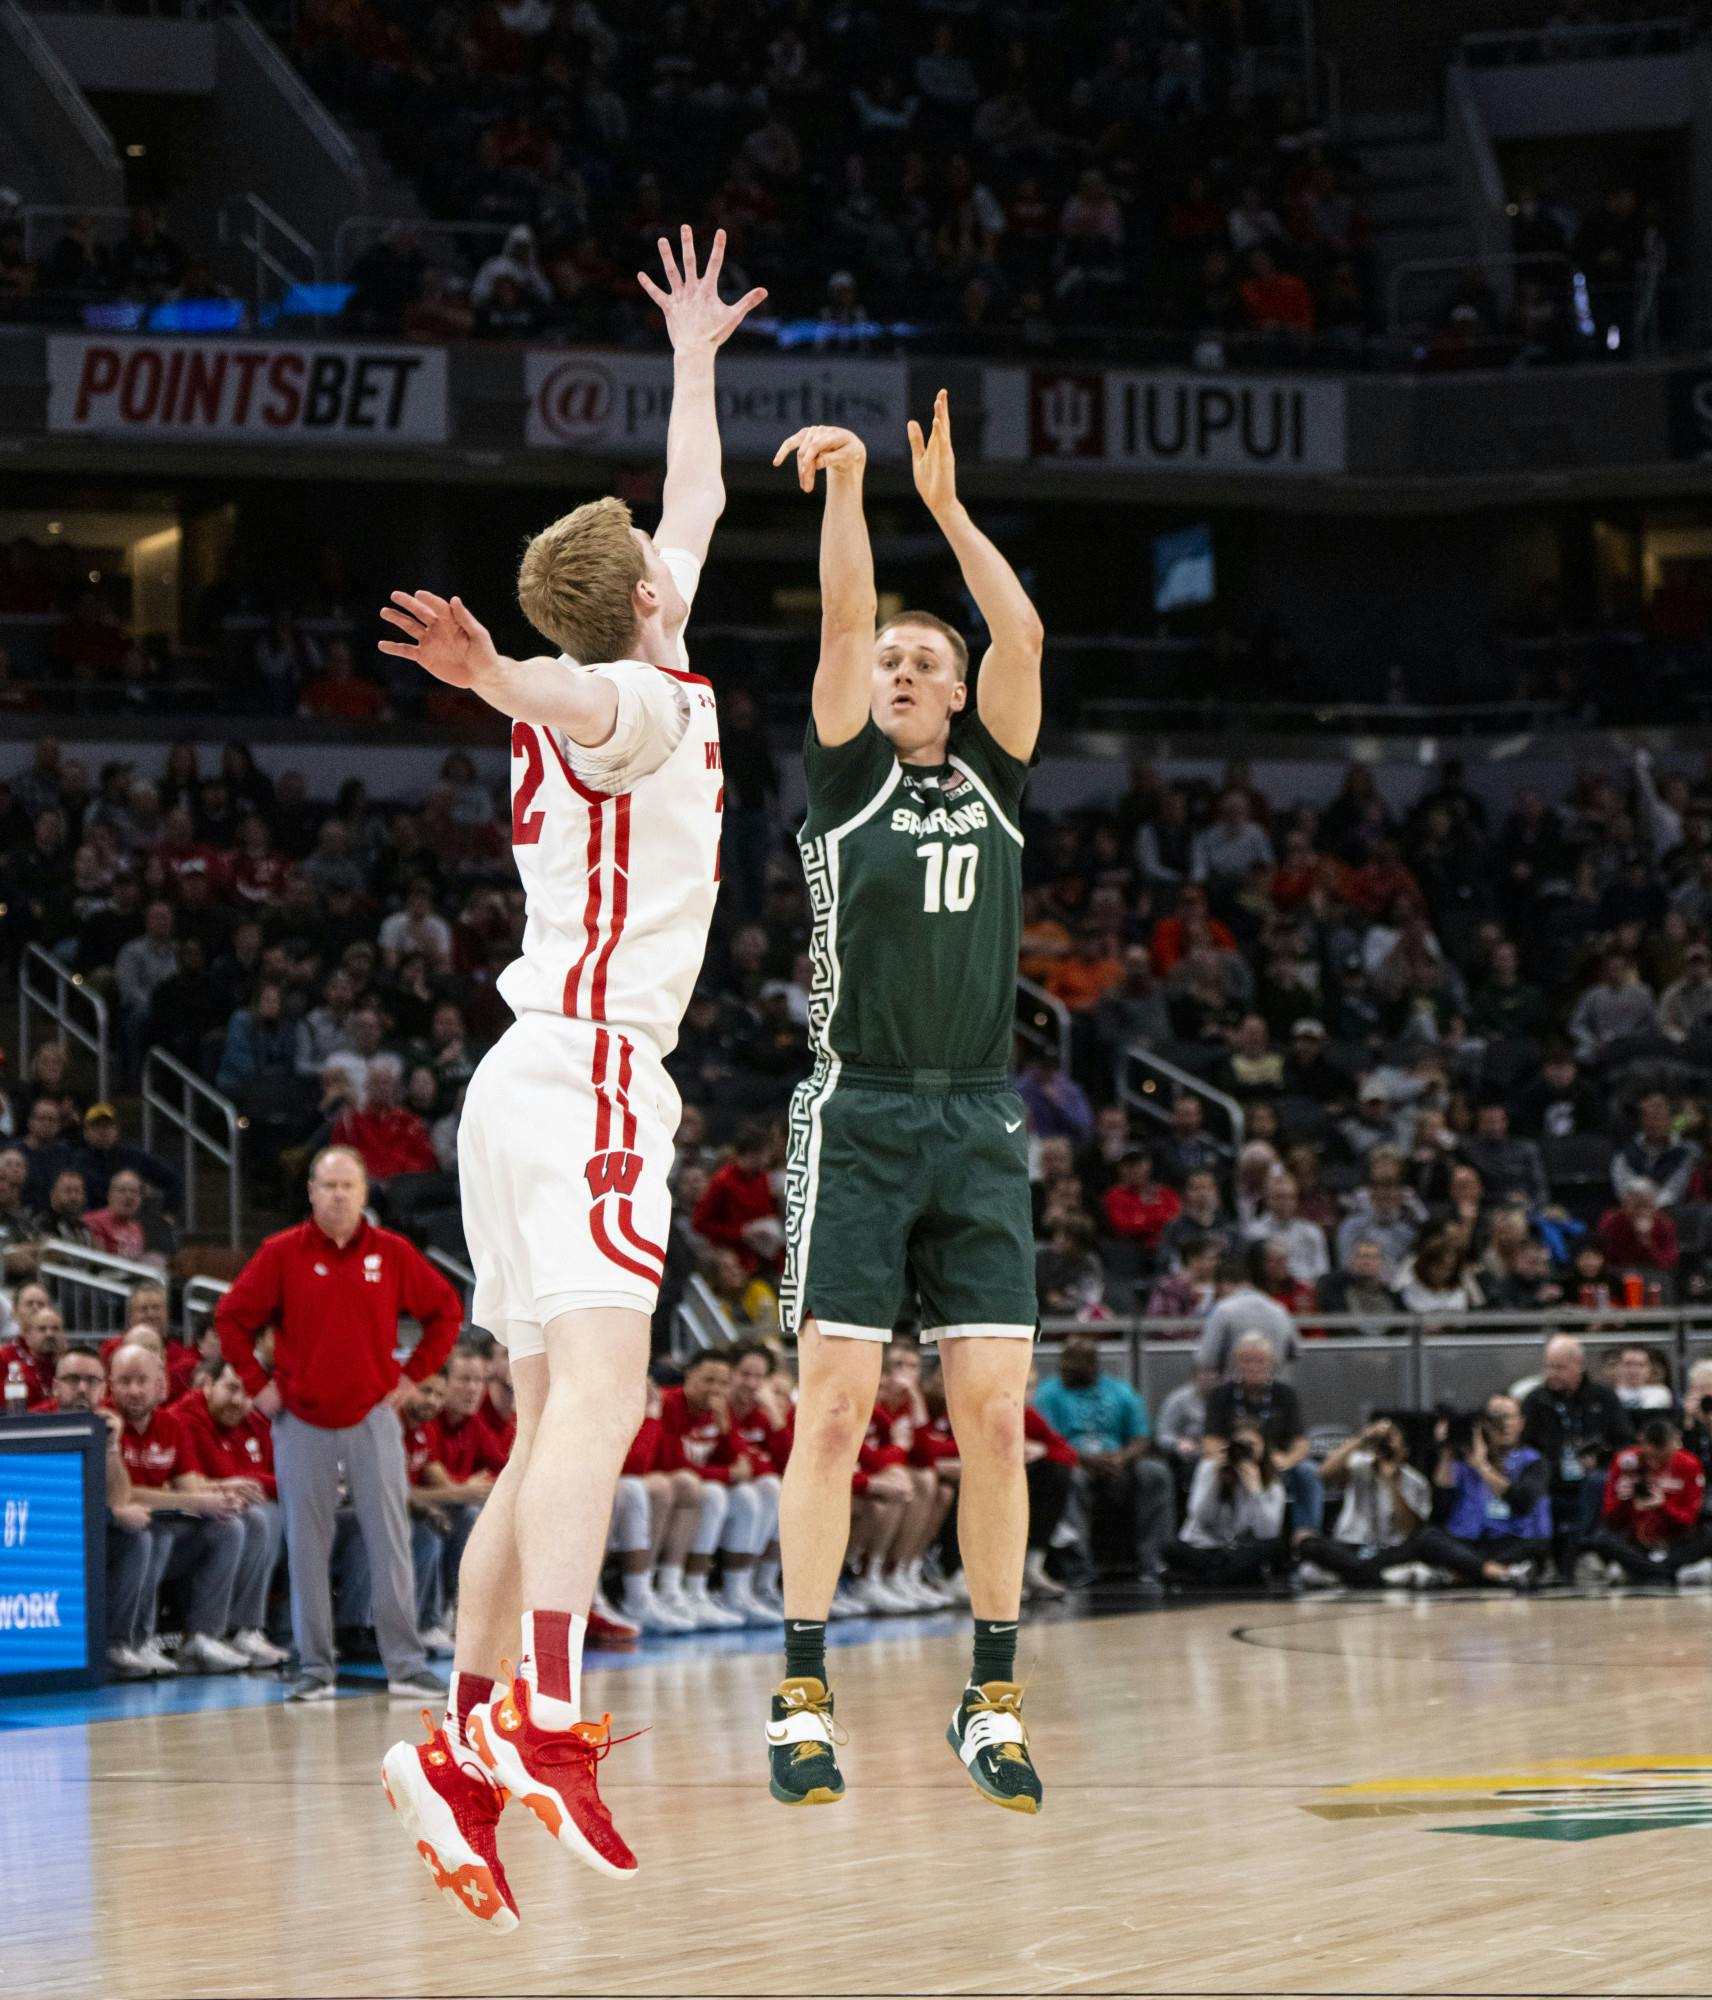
620,403
253,391
1286,426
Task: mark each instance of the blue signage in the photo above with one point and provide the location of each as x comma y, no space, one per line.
44,1541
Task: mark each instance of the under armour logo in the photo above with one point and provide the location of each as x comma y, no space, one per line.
613,1173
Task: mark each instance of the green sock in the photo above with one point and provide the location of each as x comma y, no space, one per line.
995,1651
805,1649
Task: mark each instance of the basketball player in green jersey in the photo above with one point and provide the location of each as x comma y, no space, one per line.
908,1168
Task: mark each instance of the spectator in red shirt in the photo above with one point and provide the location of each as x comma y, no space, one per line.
1639,1236
36,1351
334,1289
696,1418
464,1459
232,1448
1275,301
387,1137
118,1228
1169,941
1654,1493
756,1433
1138,1208
198,1534
339,693
739,1210
656,1515
79,1385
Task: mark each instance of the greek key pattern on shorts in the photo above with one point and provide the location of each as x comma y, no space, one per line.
800,1129
817,872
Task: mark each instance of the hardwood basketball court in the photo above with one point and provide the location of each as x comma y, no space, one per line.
1452,1795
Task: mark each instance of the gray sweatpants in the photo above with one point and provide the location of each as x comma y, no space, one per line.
307,1461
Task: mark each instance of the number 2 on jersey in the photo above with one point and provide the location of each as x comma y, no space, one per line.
526,825
950,876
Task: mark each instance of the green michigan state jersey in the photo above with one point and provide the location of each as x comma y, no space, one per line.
915,879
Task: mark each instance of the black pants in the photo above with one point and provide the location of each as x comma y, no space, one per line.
1431,1546
1048,1496
1647,1565
1242,1566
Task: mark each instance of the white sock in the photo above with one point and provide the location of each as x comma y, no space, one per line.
695,1587
636,1592
552,1711
736,1587
671,1582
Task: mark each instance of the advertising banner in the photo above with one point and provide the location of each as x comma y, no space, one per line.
1288,426
620,403
251,390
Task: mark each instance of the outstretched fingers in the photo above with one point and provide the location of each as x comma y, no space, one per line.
660,298
917,444
469,623
790,444
688,236
671,263
715,260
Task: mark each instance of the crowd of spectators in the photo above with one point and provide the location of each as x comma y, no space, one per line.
1001,183
117,275
1470,1047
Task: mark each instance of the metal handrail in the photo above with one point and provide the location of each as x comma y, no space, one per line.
44,59
193,1090
99,1263
462,1277
202,1295
75,1284
1144,1102
1056,1040
1506,267
1573,42
256,241
57,1006
327,129
700,1318
372,227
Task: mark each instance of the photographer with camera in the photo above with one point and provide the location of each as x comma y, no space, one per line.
1254,1395
1654,1494
1233,1528
1499,1524
1386,1504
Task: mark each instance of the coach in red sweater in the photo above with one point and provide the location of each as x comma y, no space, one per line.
334,1289
1654,1496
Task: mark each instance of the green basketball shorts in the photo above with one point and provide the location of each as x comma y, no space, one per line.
909,1183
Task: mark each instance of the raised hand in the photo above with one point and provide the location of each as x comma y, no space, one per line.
933,462
695,314
822,447
446,639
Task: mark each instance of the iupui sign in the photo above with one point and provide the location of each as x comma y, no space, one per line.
620,403
242,389
1284,426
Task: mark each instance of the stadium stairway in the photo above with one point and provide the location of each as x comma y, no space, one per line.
1410,195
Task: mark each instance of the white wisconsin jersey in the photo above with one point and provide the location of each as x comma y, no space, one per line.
618,848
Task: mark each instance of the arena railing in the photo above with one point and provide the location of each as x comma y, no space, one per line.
92,1286
359,233
1043,1022
176,1095
201,1296
1148,1101
1500,270
462,1278
1399,1360
44,984
700,1320
1590,41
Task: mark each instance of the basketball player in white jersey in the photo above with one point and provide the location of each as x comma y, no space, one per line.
568,1126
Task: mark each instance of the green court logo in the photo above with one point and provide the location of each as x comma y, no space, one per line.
1582,1799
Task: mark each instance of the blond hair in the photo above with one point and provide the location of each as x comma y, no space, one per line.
959,645
577,582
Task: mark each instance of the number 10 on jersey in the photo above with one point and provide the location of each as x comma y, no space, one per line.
950,883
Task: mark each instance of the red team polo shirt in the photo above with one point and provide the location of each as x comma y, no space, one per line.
706,1447
463,1449
765,1447
648,1451
156,1454
418,1449
337,1314
245,1451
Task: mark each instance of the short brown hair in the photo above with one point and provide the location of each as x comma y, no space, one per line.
959,646
577,582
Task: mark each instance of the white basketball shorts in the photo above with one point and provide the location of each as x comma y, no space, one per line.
563,1154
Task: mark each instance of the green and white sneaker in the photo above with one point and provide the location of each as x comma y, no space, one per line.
800,1740
987,1732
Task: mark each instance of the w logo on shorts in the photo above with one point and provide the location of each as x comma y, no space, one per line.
613,1173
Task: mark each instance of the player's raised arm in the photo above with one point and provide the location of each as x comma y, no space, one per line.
452,644
699,325
1007,694
849,604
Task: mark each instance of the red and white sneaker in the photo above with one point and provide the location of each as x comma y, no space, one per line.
551,1773
451,1813
607,1627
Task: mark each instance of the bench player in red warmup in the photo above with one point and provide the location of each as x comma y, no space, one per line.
568,1126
